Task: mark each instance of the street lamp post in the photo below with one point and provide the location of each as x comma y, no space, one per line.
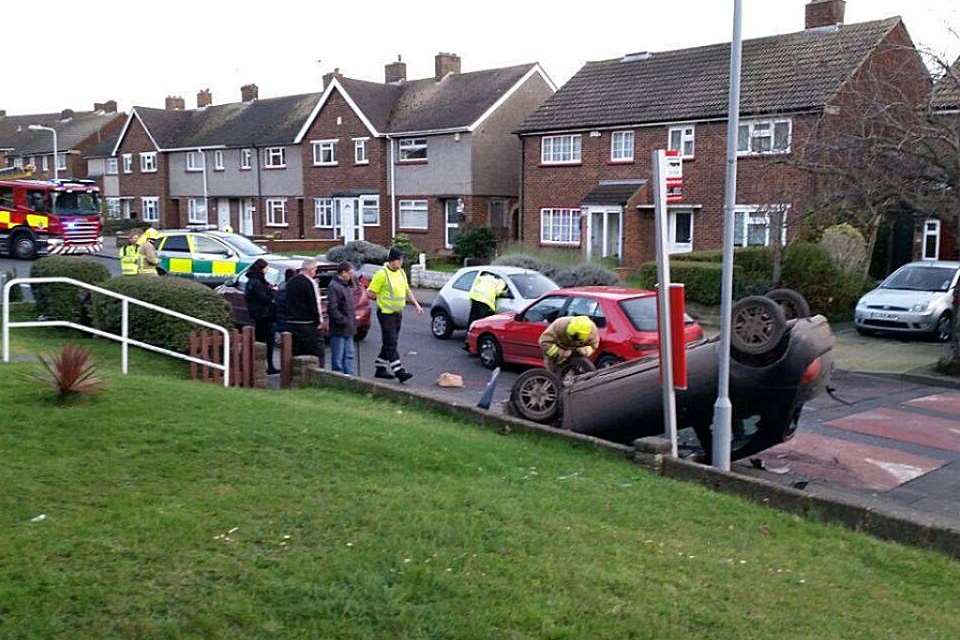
56,163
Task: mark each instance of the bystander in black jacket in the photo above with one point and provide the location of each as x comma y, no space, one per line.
341,308
259,296
302,300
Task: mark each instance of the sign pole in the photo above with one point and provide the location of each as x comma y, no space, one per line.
659,162
723,409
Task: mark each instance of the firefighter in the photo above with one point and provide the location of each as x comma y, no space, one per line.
129,260
566,337
147,259
389,287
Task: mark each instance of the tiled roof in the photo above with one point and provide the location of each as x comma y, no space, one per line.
15,134
946,95
614,192
783,73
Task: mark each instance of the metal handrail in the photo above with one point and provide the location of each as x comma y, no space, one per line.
123,338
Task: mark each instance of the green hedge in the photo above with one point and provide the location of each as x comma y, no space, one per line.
755,262
64,301
701,279
176,294
808,268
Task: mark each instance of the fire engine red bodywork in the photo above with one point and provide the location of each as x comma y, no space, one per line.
50,232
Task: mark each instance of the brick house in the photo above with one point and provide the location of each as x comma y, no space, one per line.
234,165
587,150
937,239
420,157
78,132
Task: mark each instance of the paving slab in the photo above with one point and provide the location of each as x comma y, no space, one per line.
894,424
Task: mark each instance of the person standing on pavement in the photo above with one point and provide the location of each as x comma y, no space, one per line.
130,255
304,315
147,259
390,289
259,295
342,311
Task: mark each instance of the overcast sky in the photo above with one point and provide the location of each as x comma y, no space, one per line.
138,52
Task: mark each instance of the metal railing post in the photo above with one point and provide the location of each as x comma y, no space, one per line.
226,357
125,335
6,320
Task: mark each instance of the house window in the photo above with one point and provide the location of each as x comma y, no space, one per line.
413,214
246,158
370,209
18,162
682,139
46,163
931,240
498,214
128,163
62,161
765,137
150,207
681,231
277,212
621,146
148,162
195,161
218,160
413,149
111,166
325,153
275,158
197,211
113,208
323,213
360,151
126,208
560,226
752,225
560,149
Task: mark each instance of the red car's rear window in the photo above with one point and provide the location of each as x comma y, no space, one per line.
642,313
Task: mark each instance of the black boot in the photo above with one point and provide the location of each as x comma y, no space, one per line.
383,373
403,375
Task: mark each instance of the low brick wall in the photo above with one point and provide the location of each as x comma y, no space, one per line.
306,247
425,279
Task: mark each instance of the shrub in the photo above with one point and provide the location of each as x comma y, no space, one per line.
846,247
524,261
701,279
584,275
64,301
16,295
809,269
176,294
475,242
756,263
113,225
410,253
358,253
70,372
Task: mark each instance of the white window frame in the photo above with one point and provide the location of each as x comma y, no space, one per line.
367,200
750,214
62,161
417,206
688,134
323,213
751,127
154,208
271,154
626,150
246,158
45,162
111,167
127,163
197,212
549,153
18,162
322,147
685,247
113,207
361,151
273,206
218,160
931,227
573,239
194,161
126,208
148,162
406,145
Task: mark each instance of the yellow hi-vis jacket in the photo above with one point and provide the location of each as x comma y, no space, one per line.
129,260
557,345
391,289
486,289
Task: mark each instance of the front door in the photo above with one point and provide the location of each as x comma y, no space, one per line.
223,214
347,219
605,229
246,217
452,216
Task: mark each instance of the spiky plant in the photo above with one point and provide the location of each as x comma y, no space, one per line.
70,372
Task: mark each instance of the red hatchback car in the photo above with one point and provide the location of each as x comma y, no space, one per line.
626,318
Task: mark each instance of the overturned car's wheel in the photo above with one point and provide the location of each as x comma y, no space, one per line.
794,305
758,325
575,366
536,396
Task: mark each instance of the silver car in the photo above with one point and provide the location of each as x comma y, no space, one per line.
916,298
451,307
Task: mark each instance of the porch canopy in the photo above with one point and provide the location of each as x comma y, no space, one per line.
613,192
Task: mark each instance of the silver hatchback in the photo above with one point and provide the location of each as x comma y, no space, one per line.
916,298
451,308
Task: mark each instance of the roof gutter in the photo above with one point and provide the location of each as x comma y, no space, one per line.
427,132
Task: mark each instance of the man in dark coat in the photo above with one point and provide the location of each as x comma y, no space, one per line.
342,310
303,312
260,305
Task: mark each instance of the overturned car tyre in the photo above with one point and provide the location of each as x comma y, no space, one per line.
794,305
535,396
759,325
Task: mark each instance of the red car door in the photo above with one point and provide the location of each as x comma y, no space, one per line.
521,336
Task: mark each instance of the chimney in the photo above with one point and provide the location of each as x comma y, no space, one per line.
204,98
395,72
249,92
3,113
328,77
110,106
66,114
445,63
825,13
174,103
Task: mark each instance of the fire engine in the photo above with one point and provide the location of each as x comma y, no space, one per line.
44,217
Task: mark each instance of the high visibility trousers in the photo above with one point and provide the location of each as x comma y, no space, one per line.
389,357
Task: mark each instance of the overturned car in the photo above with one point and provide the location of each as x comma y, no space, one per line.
781,359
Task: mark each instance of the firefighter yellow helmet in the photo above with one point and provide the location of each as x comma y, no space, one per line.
580,328
149,234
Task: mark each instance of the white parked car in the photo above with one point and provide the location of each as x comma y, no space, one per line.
916,298
451,307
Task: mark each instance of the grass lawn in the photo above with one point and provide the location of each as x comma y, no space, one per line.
181,510
443,266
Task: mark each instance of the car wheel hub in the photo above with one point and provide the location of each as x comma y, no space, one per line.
439,324
487,351
754,325
538,394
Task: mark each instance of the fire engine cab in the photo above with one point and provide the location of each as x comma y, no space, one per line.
43,217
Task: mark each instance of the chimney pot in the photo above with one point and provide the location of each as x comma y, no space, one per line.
66,114
249,92
825,13
3,113
204,98
174,103
445,63
395,72
110,106
328,77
